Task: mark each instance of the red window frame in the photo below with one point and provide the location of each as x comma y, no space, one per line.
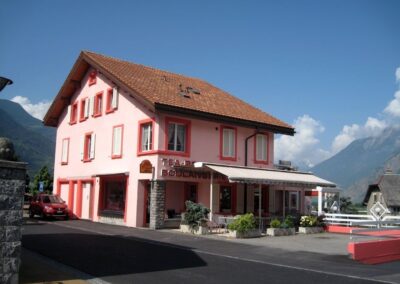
267,149
122,142
109,108
221,143
82,110
140,124
87,146
62,150
185,122
93,78
96,110
103,192
74,113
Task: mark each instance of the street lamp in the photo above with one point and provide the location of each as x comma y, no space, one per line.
4,82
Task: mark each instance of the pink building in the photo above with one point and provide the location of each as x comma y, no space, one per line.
128,137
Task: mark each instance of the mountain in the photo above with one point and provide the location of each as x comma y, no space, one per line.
362,162
34,143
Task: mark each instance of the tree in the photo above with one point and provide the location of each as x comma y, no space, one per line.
42,176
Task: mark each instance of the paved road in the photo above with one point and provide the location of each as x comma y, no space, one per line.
124,255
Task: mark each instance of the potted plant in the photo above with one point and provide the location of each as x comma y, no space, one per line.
278,228
310,225
244,227
195,218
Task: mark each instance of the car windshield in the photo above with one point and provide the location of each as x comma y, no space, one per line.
52,199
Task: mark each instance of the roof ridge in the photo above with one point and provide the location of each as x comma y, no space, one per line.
87,52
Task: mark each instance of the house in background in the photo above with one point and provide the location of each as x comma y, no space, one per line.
134,143
386,191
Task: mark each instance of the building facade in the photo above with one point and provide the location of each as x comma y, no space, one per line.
129,137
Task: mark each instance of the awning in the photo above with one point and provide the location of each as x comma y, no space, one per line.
266,176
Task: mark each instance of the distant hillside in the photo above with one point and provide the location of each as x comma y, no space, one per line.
34,143
362,162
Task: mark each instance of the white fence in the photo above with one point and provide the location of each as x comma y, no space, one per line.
361,220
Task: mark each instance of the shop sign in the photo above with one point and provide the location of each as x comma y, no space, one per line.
146,167
185,169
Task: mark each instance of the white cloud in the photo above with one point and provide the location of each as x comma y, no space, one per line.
393,108
301,148
304,147
349,133
37,110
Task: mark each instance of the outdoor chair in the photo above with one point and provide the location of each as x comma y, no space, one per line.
211,226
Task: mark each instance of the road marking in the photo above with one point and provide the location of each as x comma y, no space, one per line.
230,256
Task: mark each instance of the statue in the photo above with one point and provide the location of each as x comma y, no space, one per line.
6,149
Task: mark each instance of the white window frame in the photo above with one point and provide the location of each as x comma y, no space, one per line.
64,151
175,144
145,147
261,148
228,143
117,137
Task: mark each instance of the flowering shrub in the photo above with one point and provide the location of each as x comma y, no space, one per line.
309,221
195,213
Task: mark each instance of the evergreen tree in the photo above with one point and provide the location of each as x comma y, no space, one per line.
45,177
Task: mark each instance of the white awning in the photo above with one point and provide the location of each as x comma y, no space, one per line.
266,176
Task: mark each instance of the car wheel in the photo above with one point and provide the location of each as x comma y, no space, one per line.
31,213
42,216
66,217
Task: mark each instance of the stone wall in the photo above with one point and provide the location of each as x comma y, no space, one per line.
12,188
157,205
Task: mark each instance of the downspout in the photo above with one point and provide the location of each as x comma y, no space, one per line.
245,164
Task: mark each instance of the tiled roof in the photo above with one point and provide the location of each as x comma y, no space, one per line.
157,87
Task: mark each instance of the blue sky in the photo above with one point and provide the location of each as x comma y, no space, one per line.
327,67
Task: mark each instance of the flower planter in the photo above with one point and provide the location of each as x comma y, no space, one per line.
254,233
197,231
310,230
276,232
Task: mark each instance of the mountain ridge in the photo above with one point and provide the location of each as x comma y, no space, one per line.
34,143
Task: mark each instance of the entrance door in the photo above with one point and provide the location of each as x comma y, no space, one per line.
85,200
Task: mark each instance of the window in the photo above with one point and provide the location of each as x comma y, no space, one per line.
73,113
261,148
226,199
87,153
64,151
176,137
114,196
228,145
112,100
84,114
146,136
92,78
264,199
98,104
117,141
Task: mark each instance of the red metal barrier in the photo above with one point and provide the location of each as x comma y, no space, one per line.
374,252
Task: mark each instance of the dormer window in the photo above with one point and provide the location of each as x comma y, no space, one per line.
92,78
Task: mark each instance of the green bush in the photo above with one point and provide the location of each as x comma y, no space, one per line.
309,221
288,222
195,213
275,223
244,223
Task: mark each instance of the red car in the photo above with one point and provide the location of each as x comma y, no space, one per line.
48,205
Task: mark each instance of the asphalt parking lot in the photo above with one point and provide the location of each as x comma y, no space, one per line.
114,254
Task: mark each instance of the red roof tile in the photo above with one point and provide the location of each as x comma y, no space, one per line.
157,87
